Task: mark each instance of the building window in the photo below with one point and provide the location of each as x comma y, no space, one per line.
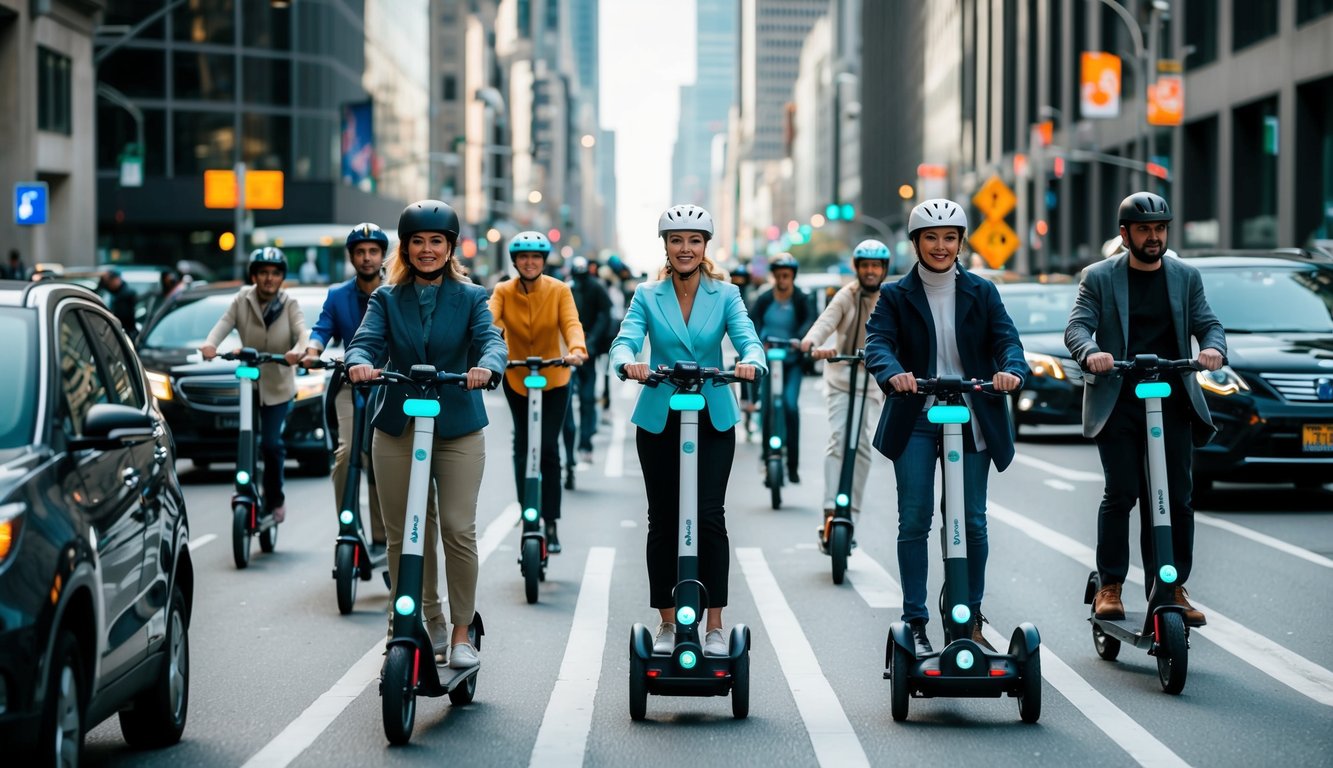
1309,10
1200,32
450,89
1252,21
53,98
1254,152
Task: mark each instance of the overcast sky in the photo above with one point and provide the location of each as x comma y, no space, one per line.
647,52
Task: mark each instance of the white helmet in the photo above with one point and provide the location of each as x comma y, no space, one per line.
936,213
685,218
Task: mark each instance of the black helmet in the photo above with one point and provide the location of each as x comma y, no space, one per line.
1144,206
367,233
784,261
428,216
269,255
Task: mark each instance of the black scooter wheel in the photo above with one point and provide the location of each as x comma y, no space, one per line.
638,686
773,480
740,686
532,568
463,694
268,539
899,686
839,547
1107,647
345,576
398,700
240,535
1029,692
1172,652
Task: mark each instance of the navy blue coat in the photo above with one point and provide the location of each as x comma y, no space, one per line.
340,316
462,336
900,338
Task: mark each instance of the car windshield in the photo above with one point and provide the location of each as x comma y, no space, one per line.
1040,310
187,325
1271,299
17,409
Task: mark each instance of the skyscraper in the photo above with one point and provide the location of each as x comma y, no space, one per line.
704,105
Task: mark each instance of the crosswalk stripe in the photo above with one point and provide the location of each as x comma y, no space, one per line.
563,737
831,734
1264,539
874,584
1285,666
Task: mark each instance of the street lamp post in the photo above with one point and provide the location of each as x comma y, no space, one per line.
1141,68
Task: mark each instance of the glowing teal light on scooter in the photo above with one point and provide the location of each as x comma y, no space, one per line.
688,659
1147,389
775,442
777,354
405,605
534,382
961,613
421,408
842,500
345,517
1167,574
686,401
948,414
247,372
964,659
685,615
530,514
242,477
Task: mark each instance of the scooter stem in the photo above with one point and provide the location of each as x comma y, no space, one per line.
955,532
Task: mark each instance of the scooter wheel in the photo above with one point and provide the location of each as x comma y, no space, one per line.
1107,647
240,535
463,694
740,686
268,539
532,567
773,480
398,700
1029,692
899,685
345,577
638,687
839,547
1172,652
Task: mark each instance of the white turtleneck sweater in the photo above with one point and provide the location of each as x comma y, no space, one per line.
941,288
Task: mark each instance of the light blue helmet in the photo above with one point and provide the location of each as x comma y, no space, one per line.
872,250
529,242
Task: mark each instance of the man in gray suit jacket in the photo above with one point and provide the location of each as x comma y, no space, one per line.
1131,304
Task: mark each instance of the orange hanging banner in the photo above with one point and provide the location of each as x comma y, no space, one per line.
1166,101
1100,84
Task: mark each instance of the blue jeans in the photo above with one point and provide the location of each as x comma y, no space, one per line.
271,420
915,470
583,382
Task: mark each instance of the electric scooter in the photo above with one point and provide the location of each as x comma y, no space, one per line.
686,671
838,532
777,351
1161,629
249,514
354,559
405,675
964,668
533,555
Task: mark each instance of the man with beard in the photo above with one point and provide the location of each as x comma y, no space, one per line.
1130,304
845,319
344,308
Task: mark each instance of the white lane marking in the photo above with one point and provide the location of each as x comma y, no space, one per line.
1077,475
1285,666
563,736
1141,745
1058,485
831,734
874,584
302,732
1264,539
199,541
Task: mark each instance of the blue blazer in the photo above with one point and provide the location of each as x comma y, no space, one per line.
340,317
654,314
462,336
900,337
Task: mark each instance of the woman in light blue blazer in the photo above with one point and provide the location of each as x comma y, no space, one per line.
684,315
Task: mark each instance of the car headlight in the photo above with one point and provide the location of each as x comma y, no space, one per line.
311,385
160,384
1223,381
1044,365
11,518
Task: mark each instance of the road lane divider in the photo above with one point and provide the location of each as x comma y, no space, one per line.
1261,538
1076,475
831,734
199,541
1286,666
306,728
874,584
562,738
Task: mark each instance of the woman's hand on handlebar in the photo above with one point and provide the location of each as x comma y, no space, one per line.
208,351
291,356
310,358
478,377
823,353
746,371
1005,382
575,359
637,371
904,382
359,373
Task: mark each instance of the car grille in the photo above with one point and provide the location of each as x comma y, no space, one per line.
1296,387
202,390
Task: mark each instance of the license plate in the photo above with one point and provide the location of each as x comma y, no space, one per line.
229,422
1317,438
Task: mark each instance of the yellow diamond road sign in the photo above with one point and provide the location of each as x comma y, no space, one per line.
995,241
995,199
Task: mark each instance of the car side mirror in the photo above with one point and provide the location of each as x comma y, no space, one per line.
110,426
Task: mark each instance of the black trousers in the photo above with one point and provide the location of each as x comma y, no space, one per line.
1122,444
659,456
554,402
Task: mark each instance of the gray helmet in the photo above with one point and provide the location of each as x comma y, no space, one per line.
870,250
1142,207
269,255
937,212
428,216
685,218
784,261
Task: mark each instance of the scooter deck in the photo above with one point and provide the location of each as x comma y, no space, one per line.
711,677
1133,629
992,676
446,679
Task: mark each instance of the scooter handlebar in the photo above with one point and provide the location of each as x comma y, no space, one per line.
857,357
686,376
1155,364
422,383
555,362
775,341
254,357
948,385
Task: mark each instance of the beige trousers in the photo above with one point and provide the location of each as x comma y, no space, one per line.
456,468
342,457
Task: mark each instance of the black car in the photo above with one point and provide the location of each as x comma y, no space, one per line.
1053,394
96,580
1273,401
201,400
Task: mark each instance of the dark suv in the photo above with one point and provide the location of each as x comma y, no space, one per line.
95,574
202,401
1273,401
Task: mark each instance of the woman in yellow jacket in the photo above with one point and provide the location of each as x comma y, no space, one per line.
536,313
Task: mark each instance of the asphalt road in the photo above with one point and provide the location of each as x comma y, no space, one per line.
279,678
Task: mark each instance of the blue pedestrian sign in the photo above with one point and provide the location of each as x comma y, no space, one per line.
30,202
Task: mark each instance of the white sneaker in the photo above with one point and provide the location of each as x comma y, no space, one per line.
463,656
666,638
715,643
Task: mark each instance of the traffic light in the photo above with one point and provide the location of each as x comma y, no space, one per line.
836,212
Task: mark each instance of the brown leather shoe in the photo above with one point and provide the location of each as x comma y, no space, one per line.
1107,605
977,636
1193,616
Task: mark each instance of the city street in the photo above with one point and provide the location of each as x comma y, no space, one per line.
279,678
